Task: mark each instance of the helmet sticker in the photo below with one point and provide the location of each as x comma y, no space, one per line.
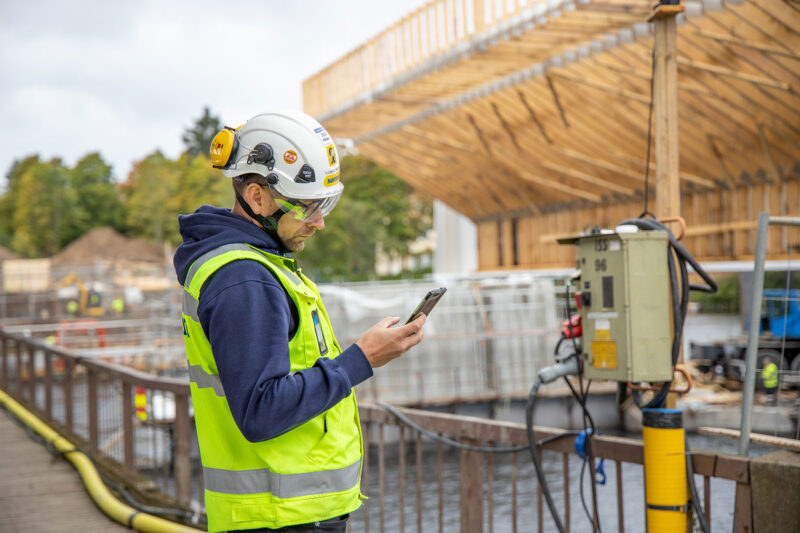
332,180
331,154
305,175
323,134
290,156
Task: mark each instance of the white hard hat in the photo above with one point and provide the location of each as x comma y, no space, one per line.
289,148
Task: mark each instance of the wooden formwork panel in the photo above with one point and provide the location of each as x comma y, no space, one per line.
720,227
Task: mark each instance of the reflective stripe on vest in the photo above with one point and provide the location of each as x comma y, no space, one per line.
204,380
281,485
232,248
190,306
190,303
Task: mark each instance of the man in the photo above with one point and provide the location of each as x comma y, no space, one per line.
276,415
769,376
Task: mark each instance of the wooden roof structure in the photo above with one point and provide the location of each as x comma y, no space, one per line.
514,108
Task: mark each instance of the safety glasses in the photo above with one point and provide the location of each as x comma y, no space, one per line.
307,209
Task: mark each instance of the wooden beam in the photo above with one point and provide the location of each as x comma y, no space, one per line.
722,71
773,168
747,44
619,93
665,104
557,101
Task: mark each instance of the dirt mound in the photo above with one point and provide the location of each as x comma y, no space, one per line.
107,244
5,253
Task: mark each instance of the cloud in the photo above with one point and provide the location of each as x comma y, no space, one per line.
125,78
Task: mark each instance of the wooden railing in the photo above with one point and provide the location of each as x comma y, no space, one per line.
480,478
93,404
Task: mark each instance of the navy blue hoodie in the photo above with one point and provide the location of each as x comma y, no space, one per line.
249,319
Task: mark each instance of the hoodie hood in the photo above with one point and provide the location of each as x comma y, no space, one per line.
211,227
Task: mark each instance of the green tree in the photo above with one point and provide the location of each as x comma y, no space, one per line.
149,188
158,189
200,183
43,205
97,202
378,212
197,139
8,201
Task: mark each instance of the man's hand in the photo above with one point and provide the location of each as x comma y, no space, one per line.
382,343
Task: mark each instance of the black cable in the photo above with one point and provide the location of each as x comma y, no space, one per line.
649,135
588,447
582,401
701,516
583,498
460,445
535,455
587,416
679,250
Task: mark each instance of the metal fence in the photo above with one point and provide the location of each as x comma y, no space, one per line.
487,337
499,492
94,404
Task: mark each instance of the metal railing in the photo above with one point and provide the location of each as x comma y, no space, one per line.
496,492
93,403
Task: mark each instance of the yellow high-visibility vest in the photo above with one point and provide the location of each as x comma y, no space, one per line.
308,474
770,376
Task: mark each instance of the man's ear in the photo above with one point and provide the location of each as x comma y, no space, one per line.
254,196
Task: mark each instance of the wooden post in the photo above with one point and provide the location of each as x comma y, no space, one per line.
665,107
743,519
129,460
48,384
4,357
183,462
32,376
91,407
18,368
69,365
471,490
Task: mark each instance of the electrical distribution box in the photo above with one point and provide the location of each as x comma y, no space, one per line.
626,305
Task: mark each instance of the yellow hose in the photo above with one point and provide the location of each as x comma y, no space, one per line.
105,500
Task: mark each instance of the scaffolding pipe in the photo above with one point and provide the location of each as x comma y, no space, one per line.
753,333
751,355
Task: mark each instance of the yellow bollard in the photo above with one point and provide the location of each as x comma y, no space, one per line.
666,490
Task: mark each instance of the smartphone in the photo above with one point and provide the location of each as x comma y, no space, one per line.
427,303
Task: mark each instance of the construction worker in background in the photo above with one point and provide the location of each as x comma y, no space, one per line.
72,308
118,305
769,376
276,415
94,298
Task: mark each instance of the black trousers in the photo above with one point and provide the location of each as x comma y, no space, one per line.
332,525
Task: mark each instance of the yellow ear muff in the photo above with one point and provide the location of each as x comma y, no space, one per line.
223,147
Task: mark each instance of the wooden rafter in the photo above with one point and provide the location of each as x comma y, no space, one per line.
537,110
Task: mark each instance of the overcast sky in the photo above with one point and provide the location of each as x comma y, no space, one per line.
125,78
